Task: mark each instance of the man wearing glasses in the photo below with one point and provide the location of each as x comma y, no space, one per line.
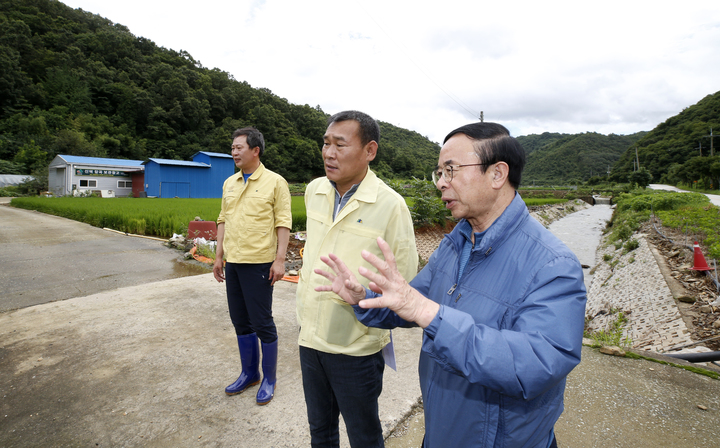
502,303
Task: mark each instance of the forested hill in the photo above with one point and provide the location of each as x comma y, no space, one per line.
678,150
533,142
72,82
571,158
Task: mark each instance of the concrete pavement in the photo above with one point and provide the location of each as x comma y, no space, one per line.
145,365
46,258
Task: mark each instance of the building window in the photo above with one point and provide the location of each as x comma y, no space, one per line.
124,184
88,183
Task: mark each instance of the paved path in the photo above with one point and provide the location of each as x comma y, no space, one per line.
142,362
714,198
46,258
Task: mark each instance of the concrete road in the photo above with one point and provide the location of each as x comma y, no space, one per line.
714,198
46,258
147,366
125,360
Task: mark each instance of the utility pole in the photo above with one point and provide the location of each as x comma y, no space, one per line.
482,116
712,150
638,158
700,148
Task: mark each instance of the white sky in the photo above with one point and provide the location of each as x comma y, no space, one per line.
431,66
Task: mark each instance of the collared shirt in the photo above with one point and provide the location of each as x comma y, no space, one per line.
252,210
340,201
327,323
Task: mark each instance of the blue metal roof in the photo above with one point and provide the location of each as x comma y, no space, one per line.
178,162
100,161
213,154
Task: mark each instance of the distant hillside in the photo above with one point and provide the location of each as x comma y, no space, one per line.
72,82
571,158
533,142
679,148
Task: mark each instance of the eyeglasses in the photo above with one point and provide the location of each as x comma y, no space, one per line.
447,172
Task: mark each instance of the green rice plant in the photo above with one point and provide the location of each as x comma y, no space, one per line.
148,216
534,202
299,217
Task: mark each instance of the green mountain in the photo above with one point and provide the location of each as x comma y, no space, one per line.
72,82
679,148
533,142
571,158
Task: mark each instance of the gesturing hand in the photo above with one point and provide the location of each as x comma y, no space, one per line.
344,283
397,294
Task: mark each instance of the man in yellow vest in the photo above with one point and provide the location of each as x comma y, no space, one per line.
253,231
341,359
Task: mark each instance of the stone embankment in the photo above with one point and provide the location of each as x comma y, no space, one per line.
639,287
631,283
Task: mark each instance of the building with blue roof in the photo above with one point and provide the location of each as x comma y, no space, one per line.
68,175
203,177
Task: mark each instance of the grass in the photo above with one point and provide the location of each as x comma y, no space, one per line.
614,334
147,216
534,202
709,373
161,217
686,212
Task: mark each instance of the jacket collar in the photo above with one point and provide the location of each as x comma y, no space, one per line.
366,192
499,230
257,173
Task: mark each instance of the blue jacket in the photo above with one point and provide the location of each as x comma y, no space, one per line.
494,360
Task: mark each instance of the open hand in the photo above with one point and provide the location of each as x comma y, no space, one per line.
344,283
397,294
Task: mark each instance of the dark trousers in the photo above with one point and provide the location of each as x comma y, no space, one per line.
249,296
344,384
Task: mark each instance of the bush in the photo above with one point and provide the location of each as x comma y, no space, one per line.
426,209
10,192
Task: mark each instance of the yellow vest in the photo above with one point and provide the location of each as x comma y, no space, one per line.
327,323
251,212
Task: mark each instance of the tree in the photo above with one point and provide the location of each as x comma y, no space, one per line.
31,157
641,177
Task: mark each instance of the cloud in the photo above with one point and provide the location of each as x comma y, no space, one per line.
558,66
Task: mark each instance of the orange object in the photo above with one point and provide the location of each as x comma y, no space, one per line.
291,278
200,258
202,229
700,263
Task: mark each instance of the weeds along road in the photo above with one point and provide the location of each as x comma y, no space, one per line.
45,258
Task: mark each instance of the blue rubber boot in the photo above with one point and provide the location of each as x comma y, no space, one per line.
250,359
269,367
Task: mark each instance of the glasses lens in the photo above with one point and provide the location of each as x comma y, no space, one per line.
435,177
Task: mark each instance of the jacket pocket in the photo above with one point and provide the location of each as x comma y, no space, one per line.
338,324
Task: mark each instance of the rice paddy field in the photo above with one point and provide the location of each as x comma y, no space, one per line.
155,216
142,216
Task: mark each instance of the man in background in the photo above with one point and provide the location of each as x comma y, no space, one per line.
253,231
